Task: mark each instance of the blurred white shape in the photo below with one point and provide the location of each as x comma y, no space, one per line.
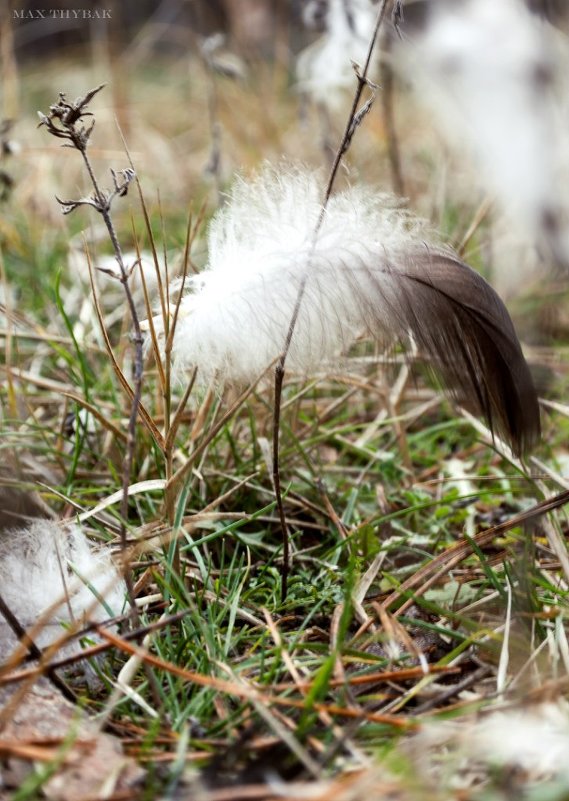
324,69
221,60
459,473
77,265
314,14
532,739
76,293
488,70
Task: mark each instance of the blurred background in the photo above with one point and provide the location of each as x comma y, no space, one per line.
199,88
165,26
203,89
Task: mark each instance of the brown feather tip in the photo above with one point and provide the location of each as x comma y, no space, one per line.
460,323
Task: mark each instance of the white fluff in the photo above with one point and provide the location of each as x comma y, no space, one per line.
534,739
236,314
324,69
487,68
46,563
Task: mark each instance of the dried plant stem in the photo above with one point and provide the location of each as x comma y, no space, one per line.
355,116
105,211
171,426
67,121
144,414
138,372
354,120
172,423
479,217
387,105
214,163
172,419
279,377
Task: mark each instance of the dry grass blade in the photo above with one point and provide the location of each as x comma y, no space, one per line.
41,750
190,237
98,415
38,381
148,226
478,219
183,471
256,694
456,553
178,415
225,497
386,676
133,489
150,318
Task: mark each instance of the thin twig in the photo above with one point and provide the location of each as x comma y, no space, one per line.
355,118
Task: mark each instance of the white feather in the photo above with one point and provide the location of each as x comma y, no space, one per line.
368,270
236,314
46,563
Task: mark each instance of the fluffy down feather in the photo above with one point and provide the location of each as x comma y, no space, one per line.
369,271
35,572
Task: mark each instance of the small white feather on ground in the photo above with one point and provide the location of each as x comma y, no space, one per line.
532,741
46,563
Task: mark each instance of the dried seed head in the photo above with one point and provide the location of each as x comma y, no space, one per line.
65,120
